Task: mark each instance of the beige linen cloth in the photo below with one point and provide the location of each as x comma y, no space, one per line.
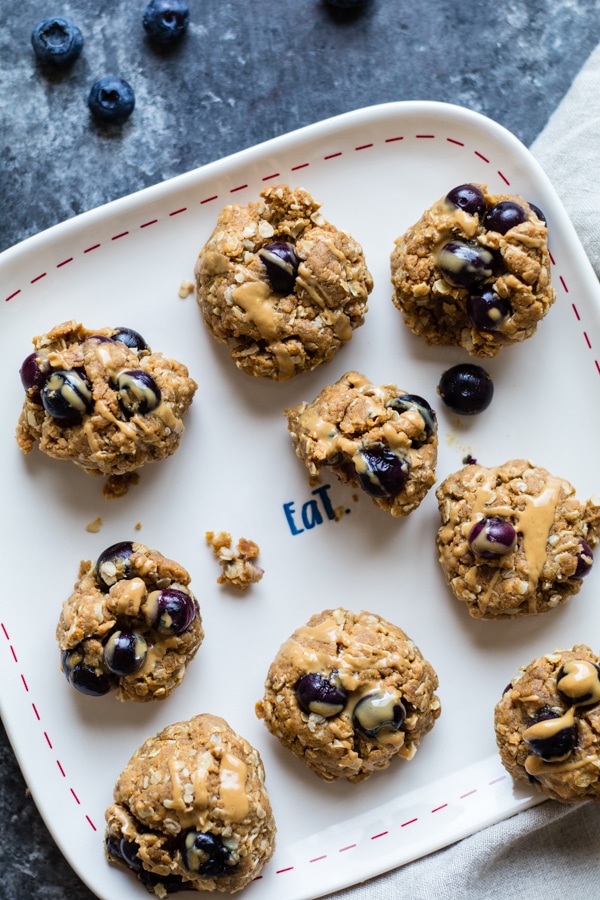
550,852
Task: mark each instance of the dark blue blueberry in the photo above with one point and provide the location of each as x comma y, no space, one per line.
125,652
57,40
492,537
383,473
66,395
206,854
469,198
138,392
585,559
114,564
169,611
111,100
379,711
83,677
165,21
504,216
556,746
281,262
316,694
33,372
487,311
464,264
466,389
129,337
578,682
413,401
538,212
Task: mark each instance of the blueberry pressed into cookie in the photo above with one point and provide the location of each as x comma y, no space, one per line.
349,692
281,286
131,625
191,811
474,271
378,438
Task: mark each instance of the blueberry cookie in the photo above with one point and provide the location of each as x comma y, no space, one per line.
103,400
474,271
548,725
378,438
280,285
191,811
514,540
349,692
131,625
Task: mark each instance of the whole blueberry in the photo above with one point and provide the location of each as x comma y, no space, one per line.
33,373
464,263
57,40
466,389
467,197
504,216
165,21
114,564
382,472
487,311
316,694
560,741
538,212
83,677
578,682
206,854
379,711
281,264
111,100
66,395
129,337
125,652
138,392
169,611
492,537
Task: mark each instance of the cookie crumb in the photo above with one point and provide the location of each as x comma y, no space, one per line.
95,526
186,288
138,526
118,485
238,568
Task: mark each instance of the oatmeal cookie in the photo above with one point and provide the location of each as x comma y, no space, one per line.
191,811
474,271
380,439
280,285
349,692
131,625
103,400
514,540
548,725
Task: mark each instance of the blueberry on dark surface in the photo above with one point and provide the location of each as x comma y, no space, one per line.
559,742
382,472
504,216
138,392
33,373
165,21
317,694
379,711
464,263
538,212
129,337
125,652
467,197
492,537
585,559
66,395
169,611
413,401
114,564
466,389
57,40
578,682
205,854
111,100
84,678
487,311
281,264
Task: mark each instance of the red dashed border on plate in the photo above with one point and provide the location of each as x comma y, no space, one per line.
211,198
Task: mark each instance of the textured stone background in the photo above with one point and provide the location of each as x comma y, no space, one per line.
245,72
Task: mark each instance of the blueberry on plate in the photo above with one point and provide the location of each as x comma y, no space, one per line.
57,41
466,389
111,100
165,21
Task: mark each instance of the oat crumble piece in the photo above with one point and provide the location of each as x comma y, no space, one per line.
238,568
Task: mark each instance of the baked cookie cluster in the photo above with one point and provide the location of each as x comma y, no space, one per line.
377,438
348,692
280,285
102,399
191,811
514,539
548,725
474,271
132,625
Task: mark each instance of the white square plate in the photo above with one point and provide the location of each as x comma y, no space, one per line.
374,171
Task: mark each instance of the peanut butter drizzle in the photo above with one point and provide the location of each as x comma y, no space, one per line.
177,801
130,597
580,679
233,774
285,363
548,728
536,766
256,299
